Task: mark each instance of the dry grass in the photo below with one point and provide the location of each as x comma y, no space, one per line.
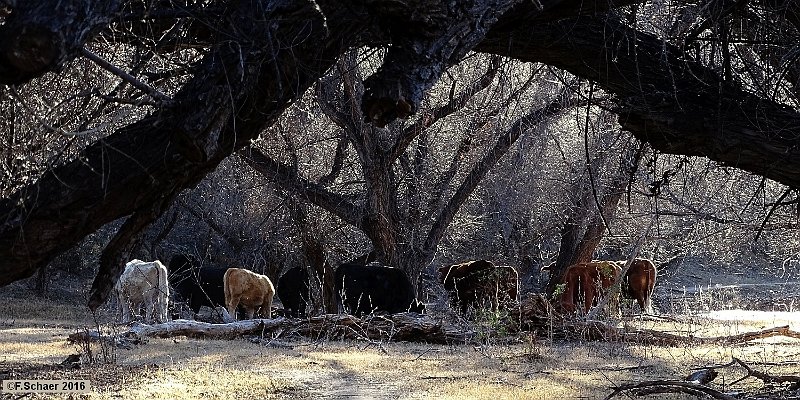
520,367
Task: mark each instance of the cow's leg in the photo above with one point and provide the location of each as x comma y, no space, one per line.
649,288
301,307
647,300
641,302
147,315
162,297
163,307
233,302
266,307
126,311
149,302
588,297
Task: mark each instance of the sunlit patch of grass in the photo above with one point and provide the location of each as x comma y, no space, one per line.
479,390
38,310
204,382
521,367
34,344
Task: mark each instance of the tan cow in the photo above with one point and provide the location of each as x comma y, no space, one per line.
592,280
143,284
250,290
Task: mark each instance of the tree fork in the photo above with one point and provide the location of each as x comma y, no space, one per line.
427,37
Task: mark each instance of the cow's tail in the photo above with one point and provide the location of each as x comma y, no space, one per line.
163,296
651,285
226,287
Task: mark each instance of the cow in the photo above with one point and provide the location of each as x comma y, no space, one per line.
250,290
294,290
591,280
143,284
197,286
366,289
472,283
639,282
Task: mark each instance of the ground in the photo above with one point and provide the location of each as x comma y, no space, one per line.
33,333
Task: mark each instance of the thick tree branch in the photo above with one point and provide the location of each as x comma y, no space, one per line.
454,104
288,179
427,37
701,116
31,44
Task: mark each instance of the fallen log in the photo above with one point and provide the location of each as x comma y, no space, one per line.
534,314
668,386
397,327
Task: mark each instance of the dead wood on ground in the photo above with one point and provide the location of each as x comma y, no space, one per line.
412,328
535,314
774,386
398,327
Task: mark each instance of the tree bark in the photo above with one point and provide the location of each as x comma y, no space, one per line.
33,44
427,37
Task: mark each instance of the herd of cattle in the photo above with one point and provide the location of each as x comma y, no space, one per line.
361,289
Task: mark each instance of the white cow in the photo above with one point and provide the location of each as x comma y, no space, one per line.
143,284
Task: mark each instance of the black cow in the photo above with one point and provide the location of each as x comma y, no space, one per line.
198,286
366,289
294,290
474,282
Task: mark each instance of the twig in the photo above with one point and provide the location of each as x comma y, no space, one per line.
161,98
767,378
668,386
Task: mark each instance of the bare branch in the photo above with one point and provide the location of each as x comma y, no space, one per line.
456,103
482,167
288,178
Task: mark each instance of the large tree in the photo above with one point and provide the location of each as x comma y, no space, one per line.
407,183
683,88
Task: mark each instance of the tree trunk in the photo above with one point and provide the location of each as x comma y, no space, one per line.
584,228
315,254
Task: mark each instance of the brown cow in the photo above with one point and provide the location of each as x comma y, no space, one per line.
640,280
250,290
473,282
591,280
